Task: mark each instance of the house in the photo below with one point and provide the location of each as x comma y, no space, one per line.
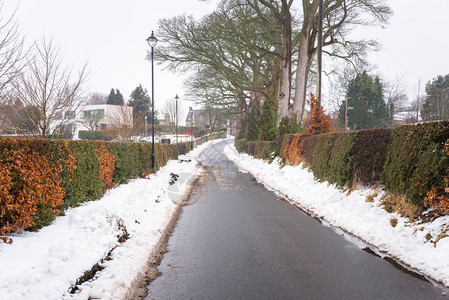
205,118
97,117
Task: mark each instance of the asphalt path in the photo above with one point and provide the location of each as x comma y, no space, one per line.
237,240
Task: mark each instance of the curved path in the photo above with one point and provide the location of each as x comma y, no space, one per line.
237,240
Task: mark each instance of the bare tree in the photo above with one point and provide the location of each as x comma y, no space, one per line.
12,53
12,61
47,86
419,95
91,120
122,123
173,113
96,98
395,95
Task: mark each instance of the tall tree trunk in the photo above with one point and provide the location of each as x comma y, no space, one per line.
302,74
306,54
286,63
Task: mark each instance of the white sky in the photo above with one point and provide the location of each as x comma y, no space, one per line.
110,35
415,45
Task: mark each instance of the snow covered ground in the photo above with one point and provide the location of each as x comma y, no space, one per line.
45,264
352,213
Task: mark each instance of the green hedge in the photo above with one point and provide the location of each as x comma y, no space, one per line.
93,135
209,137
415,161
370,150
407,160
266,150
85,184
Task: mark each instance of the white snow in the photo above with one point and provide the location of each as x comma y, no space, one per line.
367,220
45,264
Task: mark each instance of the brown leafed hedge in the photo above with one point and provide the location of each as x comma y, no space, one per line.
40,178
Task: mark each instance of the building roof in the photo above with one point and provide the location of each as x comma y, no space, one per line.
195,113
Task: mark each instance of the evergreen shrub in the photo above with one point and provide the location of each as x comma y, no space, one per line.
415,161
341,162
85,184
95,135
321,154
370,150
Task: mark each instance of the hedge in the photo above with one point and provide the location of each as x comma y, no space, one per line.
410,160
41,178
266,150
415,161
94,135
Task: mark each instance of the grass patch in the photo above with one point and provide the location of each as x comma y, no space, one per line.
394,203
370,198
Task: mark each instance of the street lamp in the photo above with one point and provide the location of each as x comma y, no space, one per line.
346,114
152,41
191,132
320,50
176,98
146,130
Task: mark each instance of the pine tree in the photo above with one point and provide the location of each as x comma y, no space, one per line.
115,98
366,104
268,119
140,101
252,123
436,104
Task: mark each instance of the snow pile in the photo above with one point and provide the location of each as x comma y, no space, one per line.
367,220
45,264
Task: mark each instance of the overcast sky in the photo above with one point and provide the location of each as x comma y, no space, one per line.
110,35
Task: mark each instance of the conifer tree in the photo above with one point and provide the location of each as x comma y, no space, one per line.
115,98
366,104
140,101
268,119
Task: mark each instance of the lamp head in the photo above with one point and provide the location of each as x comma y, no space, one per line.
152,40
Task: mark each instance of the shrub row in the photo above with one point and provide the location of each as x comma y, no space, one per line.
415,161
208,137
410,160
261,149
40,178
94,135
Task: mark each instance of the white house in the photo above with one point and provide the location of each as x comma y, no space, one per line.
97,117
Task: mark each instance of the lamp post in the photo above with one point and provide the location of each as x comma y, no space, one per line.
346,114
191,132
176,98
152,41
320,50
146,130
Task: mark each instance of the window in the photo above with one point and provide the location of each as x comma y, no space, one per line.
94,112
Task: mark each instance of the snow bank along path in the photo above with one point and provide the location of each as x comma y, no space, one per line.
44,264
406,241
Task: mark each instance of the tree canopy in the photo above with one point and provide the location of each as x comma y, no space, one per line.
140,101
436,103
253,50
115,98
366,104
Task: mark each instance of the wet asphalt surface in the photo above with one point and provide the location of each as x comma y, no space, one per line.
237,240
